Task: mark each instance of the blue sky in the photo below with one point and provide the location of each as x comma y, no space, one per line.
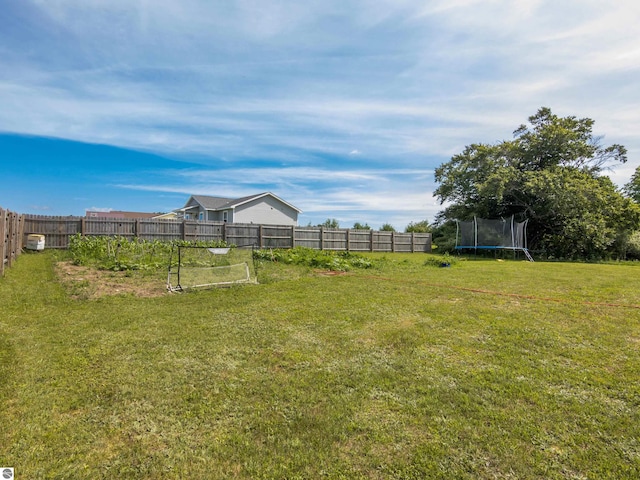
342,108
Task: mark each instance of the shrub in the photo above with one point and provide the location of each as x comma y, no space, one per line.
445,260
633,246
325,259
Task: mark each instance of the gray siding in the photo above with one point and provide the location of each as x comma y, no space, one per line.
267,211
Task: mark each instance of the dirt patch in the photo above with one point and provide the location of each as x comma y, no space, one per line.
330,273
87,283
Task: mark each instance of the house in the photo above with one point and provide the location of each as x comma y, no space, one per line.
263,208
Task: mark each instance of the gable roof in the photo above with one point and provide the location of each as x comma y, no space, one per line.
222,203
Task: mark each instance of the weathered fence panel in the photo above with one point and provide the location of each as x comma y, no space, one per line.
120,227
334,239
360,240
194,230
421,242
276,236
159,230
57,231
241,234
309,237
382,241
11,238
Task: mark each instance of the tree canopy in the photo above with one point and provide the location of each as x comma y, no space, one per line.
632,189
360,226
550,173
330,223
418,227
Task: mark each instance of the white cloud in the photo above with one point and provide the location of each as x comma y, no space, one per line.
242,84
376,195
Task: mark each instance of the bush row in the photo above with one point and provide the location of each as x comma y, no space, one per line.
324,259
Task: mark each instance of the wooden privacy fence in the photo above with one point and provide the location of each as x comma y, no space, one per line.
57,231
11,237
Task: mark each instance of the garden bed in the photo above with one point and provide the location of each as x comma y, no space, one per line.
84,282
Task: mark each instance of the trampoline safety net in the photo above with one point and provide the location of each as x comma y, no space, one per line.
492,234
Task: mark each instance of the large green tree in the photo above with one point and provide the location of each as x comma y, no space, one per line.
550,173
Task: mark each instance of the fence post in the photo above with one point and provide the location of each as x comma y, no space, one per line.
21,243
371,240
12,239
293,236
393,241
260,233
9,241
321,238
3,239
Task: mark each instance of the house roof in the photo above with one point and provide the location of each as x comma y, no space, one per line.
221,203
209,203
120,214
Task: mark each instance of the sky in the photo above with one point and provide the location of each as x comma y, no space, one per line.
341,108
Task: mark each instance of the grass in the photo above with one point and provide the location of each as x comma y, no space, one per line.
485,369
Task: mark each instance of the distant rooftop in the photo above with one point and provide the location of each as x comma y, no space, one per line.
119,214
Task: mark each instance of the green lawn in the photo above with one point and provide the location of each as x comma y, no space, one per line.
487,370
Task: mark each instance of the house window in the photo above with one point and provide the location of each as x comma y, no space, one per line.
201,216
225,216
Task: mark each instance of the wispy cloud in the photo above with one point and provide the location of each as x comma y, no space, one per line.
306,96
403,194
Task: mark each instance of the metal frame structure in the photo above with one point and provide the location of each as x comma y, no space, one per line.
215,252
496,234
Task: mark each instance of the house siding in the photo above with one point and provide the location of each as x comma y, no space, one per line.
265,210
